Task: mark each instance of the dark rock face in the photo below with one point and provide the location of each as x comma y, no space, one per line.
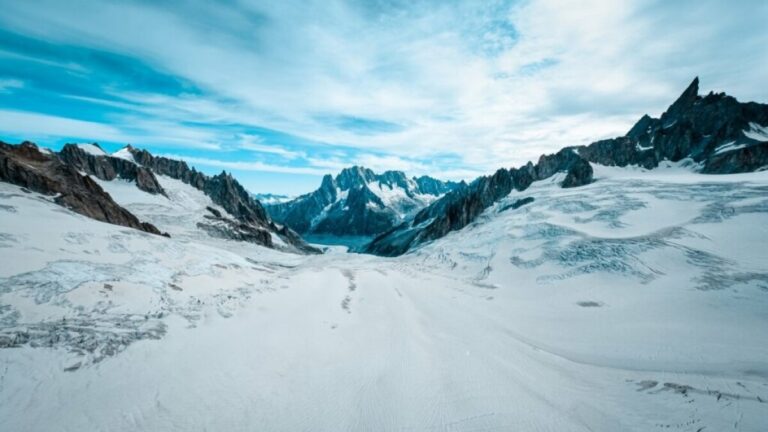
252,223
747,159
716,131
298,213
175,169
347,206
108,168
217,225
431,186
25,165
517,204
693,127
454,211
579,174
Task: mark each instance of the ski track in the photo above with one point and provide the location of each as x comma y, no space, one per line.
636,303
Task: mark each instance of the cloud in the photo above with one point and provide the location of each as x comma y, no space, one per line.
256,143
245,166
41,125
460,87
6,85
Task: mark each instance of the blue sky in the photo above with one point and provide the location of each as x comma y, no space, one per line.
281,93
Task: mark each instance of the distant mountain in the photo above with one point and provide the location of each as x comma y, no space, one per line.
225,210
268,198
359,202
716,132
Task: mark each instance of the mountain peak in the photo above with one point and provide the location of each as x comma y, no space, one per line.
354,176
686,99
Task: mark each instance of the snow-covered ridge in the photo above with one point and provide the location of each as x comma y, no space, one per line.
92,149
124,153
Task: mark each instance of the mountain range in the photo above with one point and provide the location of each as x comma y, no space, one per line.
73,173
717,133
618,286
359,202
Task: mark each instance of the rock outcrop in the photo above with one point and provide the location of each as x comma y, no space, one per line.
459,208
108,168
359,202
717,132
43,172
251,223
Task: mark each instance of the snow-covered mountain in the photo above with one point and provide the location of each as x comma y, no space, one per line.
359,202
716,133
634,303
613,287
132,187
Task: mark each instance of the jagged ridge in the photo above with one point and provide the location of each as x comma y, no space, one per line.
716,131
27,166
359,202
251,222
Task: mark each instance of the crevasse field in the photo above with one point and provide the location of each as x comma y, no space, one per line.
636,303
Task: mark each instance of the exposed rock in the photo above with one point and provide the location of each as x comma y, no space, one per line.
432,186
25,165
252,223
716,131
517,204
108,168
359,202
579,174
746,159
234,230
453,211
713,130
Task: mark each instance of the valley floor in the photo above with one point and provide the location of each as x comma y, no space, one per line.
639,302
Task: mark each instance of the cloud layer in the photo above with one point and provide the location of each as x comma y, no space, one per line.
454,89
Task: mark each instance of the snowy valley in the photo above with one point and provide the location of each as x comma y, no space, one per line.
617,286
634,303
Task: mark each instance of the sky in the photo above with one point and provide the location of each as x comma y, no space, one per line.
282,92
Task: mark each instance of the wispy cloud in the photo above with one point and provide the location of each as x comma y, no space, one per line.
8,84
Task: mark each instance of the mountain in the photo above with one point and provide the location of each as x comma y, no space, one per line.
90,182
42,171
636,303
359,202
719,135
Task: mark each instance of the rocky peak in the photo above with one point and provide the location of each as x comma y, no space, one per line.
27,166
108,168
431,186
394,178
685,101
358,202
230,194
717,131
642,126
328,188
354,176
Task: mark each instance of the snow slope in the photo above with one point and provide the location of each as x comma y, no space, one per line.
635,303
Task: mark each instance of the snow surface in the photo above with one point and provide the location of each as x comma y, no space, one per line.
92,149
636,303
729,146
397,199
124,153
757,132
